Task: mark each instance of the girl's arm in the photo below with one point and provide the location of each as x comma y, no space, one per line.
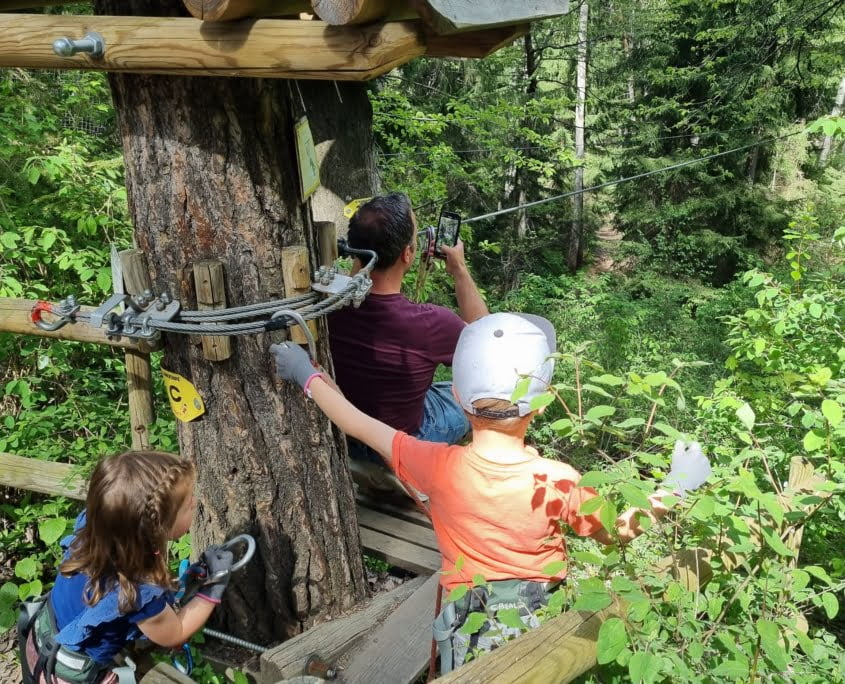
172,629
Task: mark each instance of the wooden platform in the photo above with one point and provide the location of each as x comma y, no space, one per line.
402,536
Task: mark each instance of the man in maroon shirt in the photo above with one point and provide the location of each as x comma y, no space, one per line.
386,351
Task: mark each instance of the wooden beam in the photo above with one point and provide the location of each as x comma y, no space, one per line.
475,44
136,279
228,10
451,16
265,48
342,12
331,639
165,674
46,477
14,318
326,241
296,275
211,294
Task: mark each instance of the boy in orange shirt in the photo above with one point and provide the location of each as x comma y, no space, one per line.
496,505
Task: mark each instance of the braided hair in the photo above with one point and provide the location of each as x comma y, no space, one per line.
132,505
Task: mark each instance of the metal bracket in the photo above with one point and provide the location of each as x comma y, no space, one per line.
162,308
97,316
335,284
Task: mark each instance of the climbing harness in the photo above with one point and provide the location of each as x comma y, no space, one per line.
526,596
147,315
42,658
195,576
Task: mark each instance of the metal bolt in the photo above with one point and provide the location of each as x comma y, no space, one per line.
92,44
317,667
165,297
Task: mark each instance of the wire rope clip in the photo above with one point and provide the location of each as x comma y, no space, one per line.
64,315
92,44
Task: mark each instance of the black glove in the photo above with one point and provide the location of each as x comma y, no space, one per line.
219,562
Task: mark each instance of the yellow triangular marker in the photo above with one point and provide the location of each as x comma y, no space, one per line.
350,209
183,396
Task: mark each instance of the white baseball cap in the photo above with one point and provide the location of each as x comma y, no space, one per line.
494,351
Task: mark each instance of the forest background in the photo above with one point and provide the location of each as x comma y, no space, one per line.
706,302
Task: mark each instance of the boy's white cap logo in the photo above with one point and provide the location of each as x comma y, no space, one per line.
494,351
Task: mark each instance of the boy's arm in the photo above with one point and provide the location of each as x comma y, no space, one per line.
293,364
629,525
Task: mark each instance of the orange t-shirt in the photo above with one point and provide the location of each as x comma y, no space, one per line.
503,519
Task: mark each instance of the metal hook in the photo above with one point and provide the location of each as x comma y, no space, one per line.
312,347
92,44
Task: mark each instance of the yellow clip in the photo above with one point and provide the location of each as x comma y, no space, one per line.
184,398
350,209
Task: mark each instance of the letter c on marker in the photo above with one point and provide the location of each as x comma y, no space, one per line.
174,393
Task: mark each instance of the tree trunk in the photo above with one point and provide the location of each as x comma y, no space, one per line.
576,238
211,173
837,109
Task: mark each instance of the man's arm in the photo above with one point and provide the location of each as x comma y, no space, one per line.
471,306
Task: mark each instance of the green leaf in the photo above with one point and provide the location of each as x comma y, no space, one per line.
813,441
612,639
51,530
590,506
668,430
596,413
595,478
731,669
520,390
746,416
474,622
33,175
587,557
8,594
775,653
459,562
593,601
644,667
832,411
775,543
634,496
830,604
819,573
509,617
629,423
26,568
608,516
239,677
478,580
816,310
457,593
606,379
561,424
554,568
768,629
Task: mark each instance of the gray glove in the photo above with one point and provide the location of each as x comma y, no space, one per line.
690,468
292,363
219,563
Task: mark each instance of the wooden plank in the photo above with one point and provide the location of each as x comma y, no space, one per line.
211,294
14,318
264,48
450,16
475,44
410,512
400,553
47,477
296,275
331,639
399,649
136,279
326,241
400,529
165,674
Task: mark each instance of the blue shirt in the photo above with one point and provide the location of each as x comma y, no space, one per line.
100,631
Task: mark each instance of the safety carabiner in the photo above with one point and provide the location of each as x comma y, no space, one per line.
188,666
39,308
312,347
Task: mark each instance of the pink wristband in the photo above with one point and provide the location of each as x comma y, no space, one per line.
208,598
307,384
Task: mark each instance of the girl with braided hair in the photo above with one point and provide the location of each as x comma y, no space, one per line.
114,585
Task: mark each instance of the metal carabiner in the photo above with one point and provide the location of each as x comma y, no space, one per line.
39,308
312,347
188,666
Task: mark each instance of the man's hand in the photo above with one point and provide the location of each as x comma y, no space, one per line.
690,468
292,363
455,261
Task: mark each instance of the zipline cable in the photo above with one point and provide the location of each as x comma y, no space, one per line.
645,174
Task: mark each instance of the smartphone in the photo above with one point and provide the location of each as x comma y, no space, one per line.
448,231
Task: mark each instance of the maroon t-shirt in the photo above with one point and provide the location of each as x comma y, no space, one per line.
386,351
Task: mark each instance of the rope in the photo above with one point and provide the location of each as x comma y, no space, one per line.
645,174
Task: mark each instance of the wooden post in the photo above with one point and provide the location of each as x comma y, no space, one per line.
211,294
227,10
136,279
326,241
296,273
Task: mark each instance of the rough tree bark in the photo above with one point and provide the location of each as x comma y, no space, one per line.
575,254
211,174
